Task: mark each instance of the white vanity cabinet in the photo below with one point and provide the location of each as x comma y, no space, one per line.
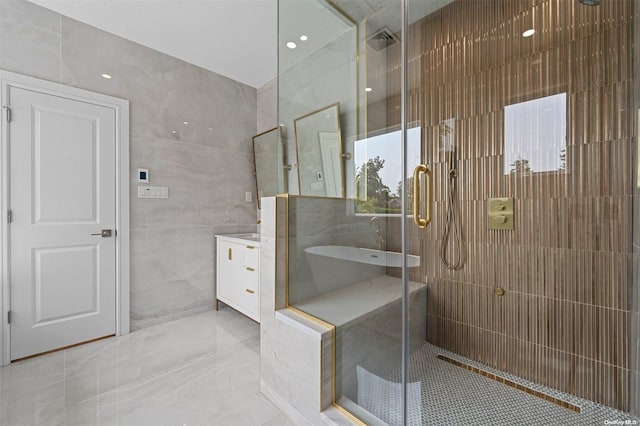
238,273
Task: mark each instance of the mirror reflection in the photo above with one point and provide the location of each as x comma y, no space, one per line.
319,146
269,162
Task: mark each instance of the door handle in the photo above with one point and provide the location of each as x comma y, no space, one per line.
105,233
419,221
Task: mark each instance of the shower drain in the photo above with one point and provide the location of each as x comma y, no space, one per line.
518,386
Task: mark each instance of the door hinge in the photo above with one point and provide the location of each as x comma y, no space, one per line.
9,317
9,216
8,114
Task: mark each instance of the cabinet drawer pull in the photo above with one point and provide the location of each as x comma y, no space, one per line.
248,290
250,269
229,254
250,247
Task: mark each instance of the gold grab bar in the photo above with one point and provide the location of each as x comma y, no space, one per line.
421,222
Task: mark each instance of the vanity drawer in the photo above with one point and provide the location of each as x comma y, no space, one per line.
252,257
251,293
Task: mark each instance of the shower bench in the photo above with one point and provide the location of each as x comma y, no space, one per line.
368,321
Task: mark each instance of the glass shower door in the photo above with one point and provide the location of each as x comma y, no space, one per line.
479,266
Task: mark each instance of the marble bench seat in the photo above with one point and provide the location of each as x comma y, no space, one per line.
359,301
368,321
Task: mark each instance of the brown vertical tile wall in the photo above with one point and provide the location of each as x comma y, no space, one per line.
564,320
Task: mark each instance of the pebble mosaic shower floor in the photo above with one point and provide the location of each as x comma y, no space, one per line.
452,395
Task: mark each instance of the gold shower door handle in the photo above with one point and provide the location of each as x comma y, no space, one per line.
419,221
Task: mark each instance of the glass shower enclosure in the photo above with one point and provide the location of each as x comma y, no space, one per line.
462,204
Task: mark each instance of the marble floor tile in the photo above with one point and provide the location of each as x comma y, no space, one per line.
199,370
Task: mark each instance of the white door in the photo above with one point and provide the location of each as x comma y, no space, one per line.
62,193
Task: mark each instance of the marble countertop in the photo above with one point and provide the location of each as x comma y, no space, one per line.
342,306
242,238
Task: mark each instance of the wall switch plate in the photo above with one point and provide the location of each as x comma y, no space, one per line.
153,192
143,175
248,196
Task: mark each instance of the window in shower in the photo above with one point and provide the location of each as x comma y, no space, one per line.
535,136
378,171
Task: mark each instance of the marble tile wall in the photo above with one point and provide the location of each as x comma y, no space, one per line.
207,164
293,350
267,100
567,268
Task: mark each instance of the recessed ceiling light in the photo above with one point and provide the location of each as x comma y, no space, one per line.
107,76
368,89
529,32
304,37
185,122
210,128
174,131
291,45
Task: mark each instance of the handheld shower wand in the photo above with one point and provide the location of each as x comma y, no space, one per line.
451,234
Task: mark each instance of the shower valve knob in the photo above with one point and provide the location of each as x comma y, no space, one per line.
500,219
500,214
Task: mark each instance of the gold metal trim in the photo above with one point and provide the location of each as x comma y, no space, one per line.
250,247
341,11
318,197
250,269
248,290
511,383
286,250
348,414
311,318
230,253
422,169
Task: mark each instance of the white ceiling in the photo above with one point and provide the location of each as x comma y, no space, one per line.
235,38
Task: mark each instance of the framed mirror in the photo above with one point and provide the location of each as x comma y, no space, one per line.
268,154
319,149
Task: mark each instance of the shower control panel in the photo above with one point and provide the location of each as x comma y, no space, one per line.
500,213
